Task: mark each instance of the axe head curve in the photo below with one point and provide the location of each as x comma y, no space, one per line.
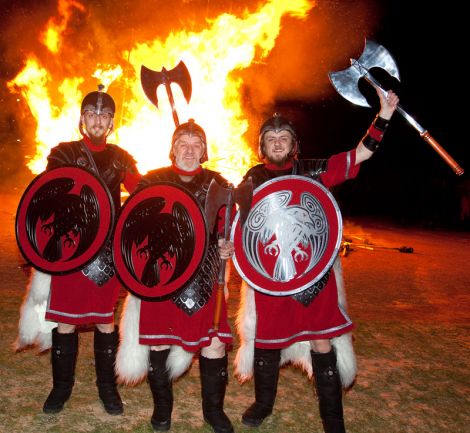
151,79
373,56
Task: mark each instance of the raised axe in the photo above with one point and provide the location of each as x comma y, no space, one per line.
218,196
376,56
152,79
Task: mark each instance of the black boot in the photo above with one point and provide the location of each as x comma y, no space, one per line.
105,357
63,359
266,368
329,391
162,390
214,378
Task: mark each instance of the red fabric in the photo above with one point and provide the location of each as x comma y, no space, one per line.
176,327
375,133
131,181
283,321
178,170
340,168
275,167
76,300
93,146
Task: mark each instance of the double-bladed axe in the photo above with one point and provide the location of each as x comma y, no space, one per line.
218,196
376,56
152,79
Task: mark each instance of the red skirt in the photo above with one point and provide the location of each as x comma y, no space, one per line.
163,323
282,321
76,300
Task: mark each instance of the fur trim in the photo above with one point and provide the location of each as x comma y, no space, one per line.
246,328
298,353
132,359
33,329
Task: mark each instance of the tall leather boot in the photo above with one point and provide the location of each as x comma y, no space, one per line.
266,372
162,390
214,378
63,359
105,346
329,391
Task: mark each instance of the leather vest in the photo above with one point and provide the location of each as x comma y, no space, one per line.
197,292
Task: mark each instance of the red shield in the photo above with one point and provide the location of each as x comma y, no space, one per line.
291,236
161,238
64,218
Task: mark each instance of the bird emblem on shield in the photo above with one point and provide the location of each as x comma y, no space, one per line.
291,236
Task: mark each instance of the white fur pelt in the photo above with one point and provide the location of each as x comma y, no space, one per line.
298,353
132,360
33,329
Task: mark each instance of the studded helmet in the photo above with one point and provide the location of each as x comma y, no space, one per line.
278,123
189,128
98,102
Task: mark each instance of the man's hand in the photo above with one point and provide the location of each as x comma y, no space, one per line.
388,103
226,249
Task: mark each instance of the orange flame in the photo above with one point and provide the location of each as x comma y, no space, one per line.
229,43
51,37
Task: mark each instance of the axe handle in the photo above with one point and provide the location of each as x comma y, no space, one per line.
172,103
223,262
442,153
422,132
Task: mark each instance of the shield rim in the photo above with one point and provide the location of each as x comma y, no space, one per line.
19,213
116,238
327,266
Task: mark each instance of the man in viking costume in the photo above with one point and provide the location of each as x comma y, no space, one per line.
89,294
159,338
310,328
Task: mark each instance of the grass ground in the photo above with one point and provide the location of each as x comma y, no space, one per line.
412,341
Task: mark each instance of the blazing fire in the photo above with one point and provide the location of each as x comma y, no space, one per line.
227,44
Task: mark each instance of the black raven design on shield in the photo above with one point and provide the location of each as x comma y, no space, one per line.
72,214
166,235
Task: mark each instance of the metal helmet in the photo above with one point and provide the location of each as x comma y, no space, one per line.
278,123
189,128
98,102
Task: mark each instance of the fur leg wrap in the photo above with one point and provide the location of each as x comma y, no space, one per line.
33,329
298,353
132,361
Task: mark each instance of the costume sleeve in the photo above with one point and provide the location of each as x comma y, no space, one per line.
341,167
131,180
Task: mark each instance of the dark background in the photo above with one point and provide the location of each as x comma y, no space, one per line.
405,181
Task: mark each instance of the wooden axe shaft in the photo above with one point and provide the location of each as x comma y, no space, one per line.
422,132
223,262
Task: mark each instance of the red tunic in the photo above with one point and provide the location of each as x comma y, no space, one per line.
162,322
282,321
74,299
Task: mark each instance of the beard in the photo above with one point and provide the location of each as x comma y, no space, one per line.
278,160
186,165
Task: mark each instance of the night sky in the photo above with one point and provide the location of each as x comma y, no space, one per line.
406,180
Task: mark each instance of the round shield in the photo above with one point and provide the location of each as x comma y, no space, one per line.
64,218
291,236
160,241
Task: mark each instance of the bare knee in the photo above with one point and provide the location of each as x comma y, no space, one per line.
320,346
215,350
105,328
159,348
65,328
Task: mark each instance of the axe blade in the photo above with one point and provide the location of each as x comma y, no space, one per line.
151,79
373,56
243,196
217,196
